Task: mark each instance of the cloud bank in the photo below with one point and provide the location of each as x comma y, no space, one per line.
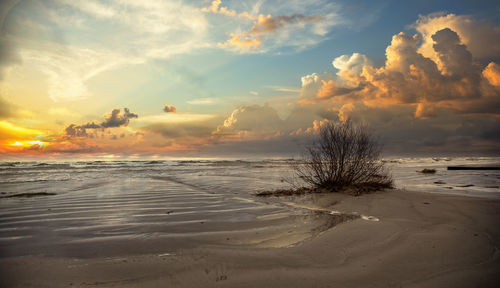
431,95
453,80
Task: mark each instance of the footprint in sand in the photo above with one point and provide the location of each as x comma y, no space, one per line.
220,272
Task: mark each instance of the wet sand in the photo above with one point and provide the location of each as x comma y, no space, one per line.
420,240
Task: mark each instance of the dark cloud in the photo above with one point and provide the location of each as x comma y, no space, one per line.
396,127
267,24
399,133
447,132
91,125
453,55
169,108
75,131
115,119
481,37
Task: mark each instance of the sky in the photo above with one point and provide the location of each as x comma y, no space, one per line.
187,79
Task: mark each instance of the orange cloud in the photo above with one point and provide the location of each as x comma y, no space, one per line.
250,40
344,111
306,102
316,126
169,108
453,80
216,9
329,89
16,138
492,74
8,130
425,110
90,137
242,42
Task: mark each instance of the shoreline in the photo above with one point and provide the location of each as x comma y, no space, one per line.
421,240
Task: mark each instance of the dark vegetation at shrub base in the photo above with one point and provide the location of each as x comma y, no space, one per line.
344,158
354,190
428,171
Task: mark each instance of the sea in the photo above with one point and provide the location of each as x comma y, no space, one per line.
101,207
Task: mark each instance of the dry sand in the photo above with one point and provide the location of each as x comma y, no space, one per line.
420,240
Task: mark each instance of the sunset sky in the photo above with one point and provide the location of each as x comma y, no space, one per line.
126,78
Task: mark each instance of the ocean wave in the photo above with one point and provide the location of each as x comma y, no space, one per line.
19,181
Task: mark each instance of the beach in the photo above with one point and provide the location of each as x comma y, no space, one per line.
200,224
419,240
223,143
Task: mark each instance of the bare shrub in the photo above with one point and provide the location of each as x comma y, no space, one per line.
345,157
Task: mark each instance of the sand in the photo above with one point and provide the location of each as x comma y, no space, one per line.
419,240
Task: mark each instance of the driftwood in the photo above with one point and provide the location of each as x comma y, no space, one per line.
473,168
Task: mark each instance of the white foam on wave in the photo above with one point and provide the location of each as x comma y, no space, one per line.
370,218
